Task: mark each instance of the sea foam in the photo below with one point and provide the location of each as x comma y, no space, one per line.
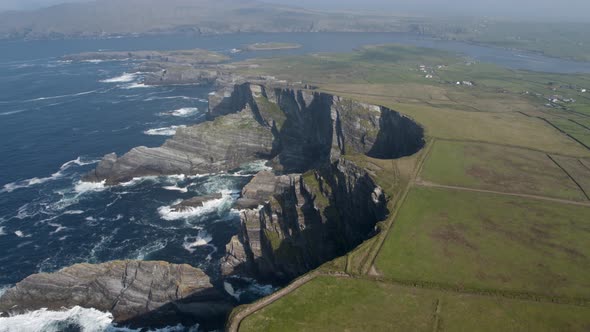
182,112
191,243
125,78
165,131
82,187
208,207
10,187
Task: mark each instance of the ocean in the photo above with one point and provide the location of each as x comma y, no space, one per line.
57,119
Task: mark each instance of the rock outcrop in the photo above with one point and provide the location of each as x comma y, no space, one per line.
296,129
293,223
135,292
316,204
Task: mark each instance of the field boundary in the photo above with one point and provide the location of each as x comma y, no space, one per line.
570,176
427,184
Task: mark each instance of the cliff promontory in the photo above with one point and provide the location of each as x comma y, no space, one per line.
296,130
316,204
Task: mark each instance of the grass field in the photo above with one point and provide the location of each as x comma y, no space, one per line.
490,242
468,260
335,304
578,169
498,168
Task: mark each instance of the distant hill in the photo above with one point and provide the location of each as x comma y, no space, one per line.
125,17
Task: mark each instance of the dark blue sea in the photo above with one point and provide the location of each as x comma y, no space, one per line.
57,119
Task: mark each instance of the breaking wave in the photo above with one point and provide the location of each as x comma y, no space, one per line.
10,187
209,207
75,319
165,131
182,112
82,187
191,243
125,78
64,96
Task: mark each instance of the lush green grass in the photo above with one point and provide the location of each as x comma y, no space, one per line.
489,242
575,129
498,168
333,304
579,169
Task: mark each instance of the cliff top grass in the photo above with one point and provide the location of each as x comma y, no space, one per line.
489,242
488,222
499,168
343,304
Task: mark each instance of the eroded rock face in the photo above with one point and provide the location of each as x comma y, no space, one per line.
152,293
298,130
291,224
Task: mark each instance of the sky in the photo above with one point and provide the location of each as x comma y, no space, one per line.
577,10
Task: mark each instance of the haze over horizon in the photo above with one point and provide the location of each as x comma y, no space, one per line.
567,10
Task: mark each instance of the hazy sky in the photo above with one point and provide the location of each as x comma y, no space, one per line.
556,9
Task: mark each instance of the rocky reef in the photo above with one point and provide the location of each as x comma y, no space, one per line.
136,293
315,205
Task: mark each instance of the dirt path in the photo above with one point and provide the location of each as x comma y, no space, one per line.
422,183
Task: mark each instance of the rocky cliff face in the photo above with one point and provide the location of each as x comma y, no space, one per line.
315,205
149,293
298,130
293,223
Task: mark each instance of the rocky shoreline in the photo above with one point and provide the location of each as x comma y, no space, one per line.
315,204
136,293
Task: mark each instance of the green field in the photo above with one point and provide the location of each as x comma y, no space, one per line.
335,304
495,250
498,168
578,169
489,242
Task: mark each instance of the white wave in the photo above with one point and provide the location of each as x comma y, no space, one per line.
166,131
78,161
93,61
82,187
253,167
143,252
176,188
135,86
26,211
125,78
58,228
10,187
2,232
74,212
13,112
192,242
87,320
182,112
138,180
63,96
21,234
208,207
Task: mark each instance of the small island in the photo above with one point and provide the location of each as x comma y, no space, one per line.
272,46
195,56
